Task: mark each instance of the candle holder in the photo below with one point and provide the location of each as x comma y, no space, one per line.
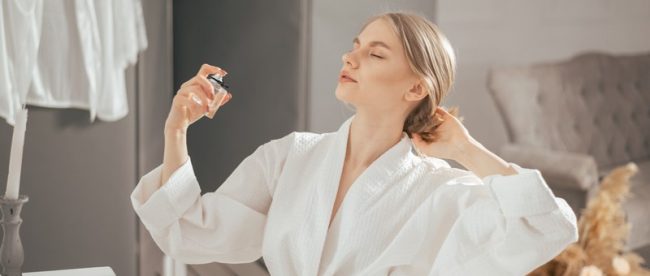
11,251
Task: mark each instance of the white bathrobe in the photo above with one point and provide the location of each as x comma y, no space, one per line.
404,215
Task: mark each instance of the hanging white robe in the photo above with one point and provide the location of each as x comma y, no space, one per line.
67,70
86,46
8,102
404,215
20,36
69,54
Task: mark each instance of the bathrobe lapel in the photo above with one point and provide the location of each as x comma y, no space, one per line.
391,164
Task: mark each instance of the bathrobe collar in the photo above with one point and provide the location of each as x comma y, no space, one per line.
395,160
392,164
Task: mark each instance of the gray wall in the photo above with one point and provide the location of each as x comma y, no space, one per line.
155,86
78,176
259,43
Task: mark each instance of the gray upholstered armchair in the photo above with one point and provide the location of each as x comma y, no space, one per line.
575,120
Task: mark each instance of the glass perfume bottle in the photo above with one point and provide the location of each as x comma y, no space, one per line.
219,90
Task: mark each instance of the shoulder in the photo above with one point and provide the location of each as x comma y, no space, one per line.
453,190
305,141
295,141
440,172
450,181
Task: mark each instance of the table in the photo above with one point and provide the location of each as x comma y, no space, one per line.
91,271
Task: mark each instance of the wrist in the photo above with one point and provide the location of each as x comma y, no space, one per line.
468,150
174,131
174,138
478,159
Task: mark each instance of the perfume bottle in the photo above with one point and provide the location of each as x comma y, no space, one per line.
219,92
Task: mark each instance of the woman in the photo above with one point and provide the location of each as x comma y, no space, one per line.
373,198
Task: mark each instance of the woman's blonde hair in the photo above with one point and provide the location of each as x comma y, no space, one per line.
432,58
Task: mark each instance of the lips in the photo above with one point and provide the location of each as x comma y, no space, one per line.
346,75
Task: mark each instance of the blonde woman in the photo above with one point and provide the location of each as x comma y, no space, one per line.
374,197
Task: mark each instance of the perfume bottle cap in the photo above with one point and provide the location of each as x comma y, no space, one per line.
218,79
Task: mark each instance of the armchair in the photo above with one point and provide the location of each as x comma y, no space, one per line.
575,120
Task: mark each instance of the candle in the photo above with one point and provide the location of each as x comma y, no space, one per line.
16,155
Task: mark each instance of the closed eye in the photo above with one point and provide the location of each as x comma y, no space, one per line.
373,55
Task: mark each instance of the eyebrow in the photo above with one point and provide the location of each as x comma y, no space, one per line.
372,43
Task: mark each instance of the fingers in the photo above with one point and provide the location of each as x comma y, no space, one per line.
453,111
201,79
416,137
198,96
441,110
228,97
220,99
192,110
195,108
205,85
207,69
194,98
444,113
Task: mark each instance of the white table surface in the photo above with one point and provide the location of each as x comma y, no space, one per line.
91,271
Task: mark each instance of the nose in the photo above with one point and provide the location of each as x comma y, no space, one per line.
347,59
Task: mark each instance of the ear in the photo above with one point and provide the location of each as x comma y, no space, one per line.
416,93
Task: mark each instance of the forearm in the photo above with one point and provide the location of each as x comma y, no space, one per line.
175,153
482,162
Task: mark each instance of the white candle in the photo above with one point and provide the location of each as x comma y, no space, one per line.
16,155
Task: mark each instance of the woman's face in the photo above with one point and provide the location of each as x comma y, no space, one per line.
379,66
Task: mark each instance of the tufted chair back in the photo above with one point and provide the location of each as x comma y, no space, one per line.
595,103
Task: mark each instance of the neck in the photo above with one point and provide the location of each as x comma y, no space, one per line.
370,136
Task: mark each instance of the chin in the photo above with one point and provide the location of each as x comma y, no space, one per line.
339,93
348,96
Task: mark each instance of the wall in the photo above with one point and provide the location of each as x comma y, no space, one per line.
155,86
78,176
259,44
491,34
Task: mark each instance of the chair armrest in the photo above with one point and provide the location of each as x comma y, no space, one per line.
560,169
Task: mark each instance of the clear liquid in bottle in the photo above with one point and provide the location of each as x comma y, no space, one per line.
219,93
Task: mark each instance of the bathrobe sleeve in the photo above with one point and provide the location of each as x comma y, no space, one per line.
226,225
506,225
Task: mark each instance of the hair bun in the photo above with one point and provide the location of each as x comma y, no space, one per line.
424,123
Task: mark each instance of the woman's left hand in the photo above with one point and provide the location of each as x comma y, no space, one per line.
451,138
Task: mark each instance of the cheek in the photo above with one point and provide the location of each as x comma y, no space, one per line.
384,83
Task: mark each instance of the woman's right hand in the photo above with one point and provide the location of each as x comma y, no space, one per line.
192,100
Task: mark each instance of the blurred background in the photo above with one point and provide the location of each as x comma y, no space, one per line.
583,65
